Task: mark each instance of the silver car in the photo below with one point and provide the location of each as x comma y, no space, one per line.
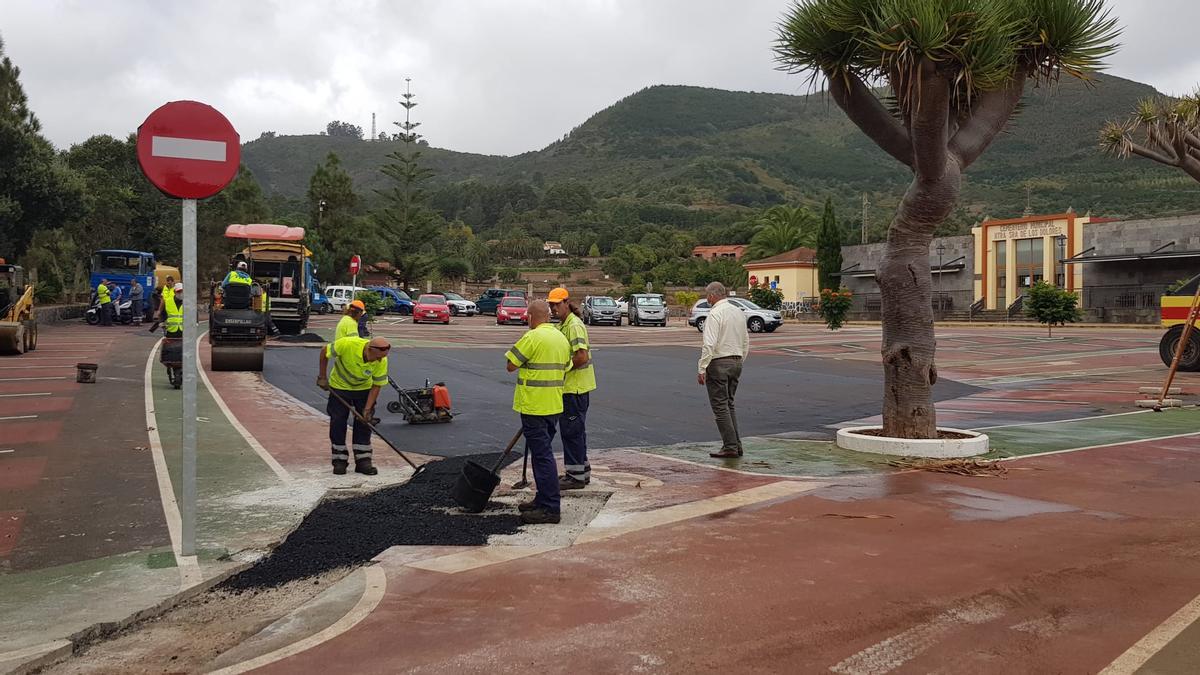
647,309
460,305
600,309
758,320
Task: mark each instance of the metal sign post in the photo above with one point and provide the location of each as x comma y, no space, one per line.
187,509
355,262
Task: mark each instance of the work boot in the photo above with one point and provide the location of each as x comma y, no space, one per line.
339,467
569,482
726,453
526,506
365,467
539,516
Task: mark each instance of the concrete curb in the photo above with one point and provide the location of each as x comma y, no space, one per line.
849,438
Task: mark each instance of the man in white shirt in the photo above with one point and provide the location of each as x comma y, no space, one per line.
726,346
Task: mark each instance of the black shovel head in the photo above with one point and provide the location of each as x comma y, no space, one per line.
474,487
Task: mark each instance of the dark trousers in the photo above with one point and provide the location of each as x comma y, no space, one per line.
539,434
721,380
106,314
135,306
339,415
574,436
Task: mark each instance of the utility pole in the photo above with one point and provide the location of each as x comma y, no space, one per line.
864,219
373,136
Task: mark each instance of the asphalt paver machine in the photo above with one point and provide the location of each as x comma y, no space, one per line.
18,328
237,324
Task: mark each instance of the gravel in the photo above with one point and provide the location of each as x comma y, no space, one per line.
351,531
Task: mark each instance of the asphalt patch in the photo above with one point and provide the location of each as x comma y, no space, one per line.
303,337
351,531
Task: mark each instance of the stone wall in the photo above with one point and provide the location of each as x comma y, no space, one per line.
59,313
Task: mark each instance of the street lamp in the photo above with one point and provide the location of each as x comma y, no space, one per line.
941,251
1062,246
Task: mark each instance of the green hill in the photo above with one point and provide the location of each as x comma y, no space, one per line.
706,148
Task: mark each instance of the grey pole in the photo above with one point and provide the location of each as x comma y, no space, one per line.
187,507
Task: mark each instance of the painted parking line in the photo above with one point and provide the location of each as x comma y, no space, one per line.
19,417
28,379
35,393
1137,655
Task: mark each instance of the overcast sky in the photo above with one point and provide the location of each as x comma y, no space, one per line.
490,76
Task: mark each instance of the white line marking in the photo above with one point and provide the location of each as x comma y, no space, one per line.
189,567
1073,419
1137,655
376,587
1105,445
187,148
19,417
40,393
6,451
37,367
250,439
28,379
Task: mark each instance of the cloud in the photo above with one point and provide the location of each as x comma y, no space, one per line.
490,76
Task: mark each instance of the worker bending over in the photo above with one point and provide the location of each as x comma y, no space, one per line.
540,358
360,368
579,381
347,326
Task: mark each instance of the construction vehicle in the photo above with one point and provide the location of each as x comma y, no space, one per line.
121,267
18,328
237,324
1175,306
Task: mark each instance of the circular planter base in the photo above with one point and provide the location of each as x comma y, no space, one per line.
851,439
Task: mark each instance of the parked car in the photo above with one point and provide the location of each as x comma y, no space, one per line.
394,299
647,309
490,299
320,303
460,305
340,296
431,307
600,309
757,318
512,309
623,303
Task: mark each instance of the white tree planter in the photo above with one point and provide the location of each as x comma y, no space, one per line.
976,444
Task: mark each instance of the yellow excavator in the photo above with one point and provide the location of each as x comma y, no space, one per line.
18,328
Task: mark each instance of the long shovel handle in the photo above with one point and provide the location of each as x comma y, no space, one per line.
507,450
367,422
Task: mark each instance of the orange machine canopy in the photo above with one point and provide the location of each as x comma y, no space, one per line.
264,232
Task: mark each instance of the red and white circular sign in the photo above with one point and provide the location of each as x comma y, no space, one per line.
753,280
355,262
188,149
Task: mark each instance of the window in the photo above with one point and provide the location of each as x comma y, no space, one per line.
603,302
1030,268
432,299
1001,269
703,304
513,302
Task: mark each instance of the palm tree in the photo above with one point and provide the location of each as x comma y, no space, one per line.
780,229
955,71
1168,129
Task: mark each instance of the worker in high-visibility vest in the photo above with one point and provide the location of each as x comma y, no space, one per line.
173,309
104,299
347,326
540,359
168,289
238,275
577,385
360,369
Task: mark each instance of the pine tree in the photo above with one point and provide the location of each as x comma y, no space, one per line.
829,249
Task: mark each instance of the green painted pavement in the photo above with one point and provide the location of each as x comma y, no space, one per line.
780,457
1017,441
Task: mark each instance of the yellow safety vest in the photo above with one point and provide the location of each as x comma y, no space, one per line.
346,327
174,313
542,355
579,379
350,371
102,294
167,292
238,277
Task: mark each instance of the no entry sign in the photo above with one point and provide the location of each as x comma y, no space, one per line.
355,261
188,149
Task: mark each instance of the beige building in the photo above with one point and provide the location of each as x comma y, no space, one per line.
1013,255
794,273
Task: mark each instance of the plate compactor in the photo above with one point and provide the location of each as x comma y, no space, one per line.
422,405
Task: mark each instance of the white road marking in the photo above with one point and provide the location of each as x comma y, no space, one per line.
187,148
189,566
1137,655
376,587
19,417
1104,445
7,451
40,393
1073,419
37,367
262,453
28,379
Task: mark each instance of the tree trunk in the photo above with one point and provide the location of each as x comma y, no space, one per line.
905,286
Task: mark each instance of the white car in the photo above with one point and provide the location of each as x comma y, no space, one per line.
460,306
340,296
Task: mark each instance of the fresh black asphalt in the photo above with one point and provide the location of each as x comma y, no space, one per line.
645,396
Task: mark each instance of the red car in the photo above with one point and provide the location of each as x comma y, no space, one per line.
512,309
431,307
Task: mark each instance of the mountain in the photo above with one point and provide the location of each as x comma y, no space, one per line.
710,148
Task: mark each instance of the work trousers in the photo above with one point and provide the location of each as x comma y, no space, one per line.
339,415
106,314
574,437
721,380
539,434
135,306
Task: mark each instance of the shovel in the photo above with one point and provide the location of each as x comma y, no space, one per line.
364,420
524,482
476,483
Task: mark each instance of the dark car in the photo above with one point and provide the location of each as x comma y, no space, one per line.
598,309
394,299
490,299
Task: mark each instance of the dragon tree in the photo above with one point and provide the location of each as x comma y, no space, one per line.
1164,130
952,74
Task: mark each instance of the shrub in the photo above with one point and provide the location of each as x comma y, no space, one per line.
686,298
835,305
765,297
510,274
373,301
1051,305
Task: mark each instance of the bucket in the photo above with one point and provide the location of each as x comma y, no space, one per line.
474,487
85,372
